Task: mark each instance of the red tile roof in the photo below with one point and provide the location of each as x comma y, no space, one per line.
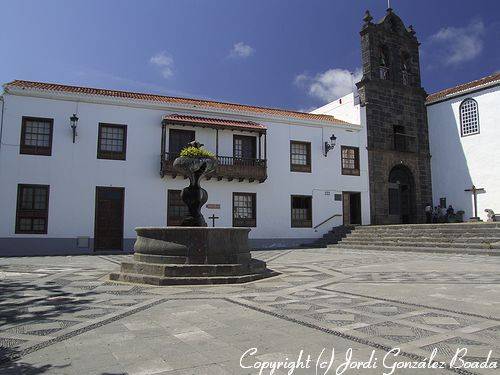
30,85
465,87
215,122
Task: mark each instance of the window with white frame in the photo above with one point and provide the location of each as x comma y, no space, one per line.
469,117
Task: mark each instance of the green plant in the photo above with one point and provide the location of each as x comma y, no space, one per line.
194,152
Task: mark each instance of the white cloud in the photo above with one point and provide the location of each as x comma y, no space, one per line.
164,62
241,50
459,44
329,85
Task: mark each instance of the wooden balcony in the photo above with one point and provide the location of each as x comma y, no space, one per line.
228,167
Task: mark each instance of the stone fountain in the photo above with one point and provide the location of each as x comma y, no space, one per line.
192,253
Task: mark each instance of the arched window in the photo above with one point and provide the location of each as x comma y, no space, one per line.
405,68
383,63
469,117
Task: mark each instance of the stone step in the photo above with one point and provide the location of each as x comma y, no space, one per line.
417,249
493,232
461,235
333,236
194,270
410,227
159,280
438,240
468,224
425,244
160,259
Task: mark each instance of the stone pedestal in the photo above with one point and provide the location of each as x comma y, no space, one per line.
192,255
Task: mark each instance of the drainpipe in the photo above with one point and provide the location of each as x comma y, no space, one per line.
1,120
1,129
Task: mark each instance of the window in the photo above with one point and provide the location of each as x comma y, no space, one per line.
32,208
112,142
399,138
177,140
405,68
469,117
350,160
244,147
301,211
36,136
176,209
383,63
300,156
244,210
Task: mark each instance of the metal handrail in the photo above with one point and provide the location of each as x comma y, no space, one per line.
324,221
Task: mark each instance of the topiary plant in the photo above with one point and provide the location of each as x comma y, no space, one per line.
195,152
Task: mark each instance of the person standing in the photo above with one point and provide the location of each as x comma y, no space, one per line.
428,213
444,215
435,214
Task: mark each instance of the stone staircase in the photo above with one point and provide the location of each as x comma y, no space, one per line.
467,238
335,235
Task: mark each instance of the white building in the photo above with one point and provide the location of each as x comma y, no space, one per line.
464,133
66,194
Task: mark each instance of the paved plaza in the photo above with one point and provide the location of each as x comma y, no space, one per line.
61,315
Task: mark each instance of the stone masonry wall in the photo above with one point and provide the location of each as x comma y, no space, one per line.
389,102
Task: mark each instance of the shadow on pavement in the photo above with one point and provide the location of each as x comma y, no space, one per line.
32,309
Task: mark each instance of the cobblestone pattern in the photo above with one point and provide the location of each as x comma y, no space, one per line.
43,305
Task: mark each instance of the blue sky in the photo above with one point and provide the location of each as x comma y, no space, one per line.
294,54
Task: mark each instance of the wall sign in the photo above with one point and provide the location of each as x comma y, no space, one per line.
213,206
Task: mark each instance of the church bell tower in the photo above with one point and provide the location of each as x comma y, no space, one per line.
396,120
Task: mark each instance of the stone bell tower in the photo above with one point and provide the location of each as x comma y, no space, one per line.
396,120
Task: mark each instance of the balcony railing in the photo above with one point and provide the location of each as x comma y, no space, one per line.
228,167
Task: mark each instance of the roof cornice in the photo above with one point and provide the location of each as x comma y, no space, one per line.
465,91
179,107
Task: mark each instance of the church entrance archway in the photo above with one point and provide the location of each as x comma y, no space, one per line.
402,208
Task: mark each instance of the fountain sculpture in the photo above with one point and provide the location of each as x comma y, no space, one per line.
192,253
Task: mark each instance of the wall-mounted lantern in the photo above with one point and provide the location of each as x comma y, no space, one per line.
74,123
330,145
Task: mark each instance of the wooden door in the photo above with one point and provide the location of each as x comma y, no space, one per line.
177,140
404,194
351,207
346,208
176,208
355,208
109,208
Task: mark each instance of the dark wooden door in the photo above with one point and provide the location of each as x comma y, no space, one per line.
404,194
108,231
355,208
176,208
177,140
351,207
